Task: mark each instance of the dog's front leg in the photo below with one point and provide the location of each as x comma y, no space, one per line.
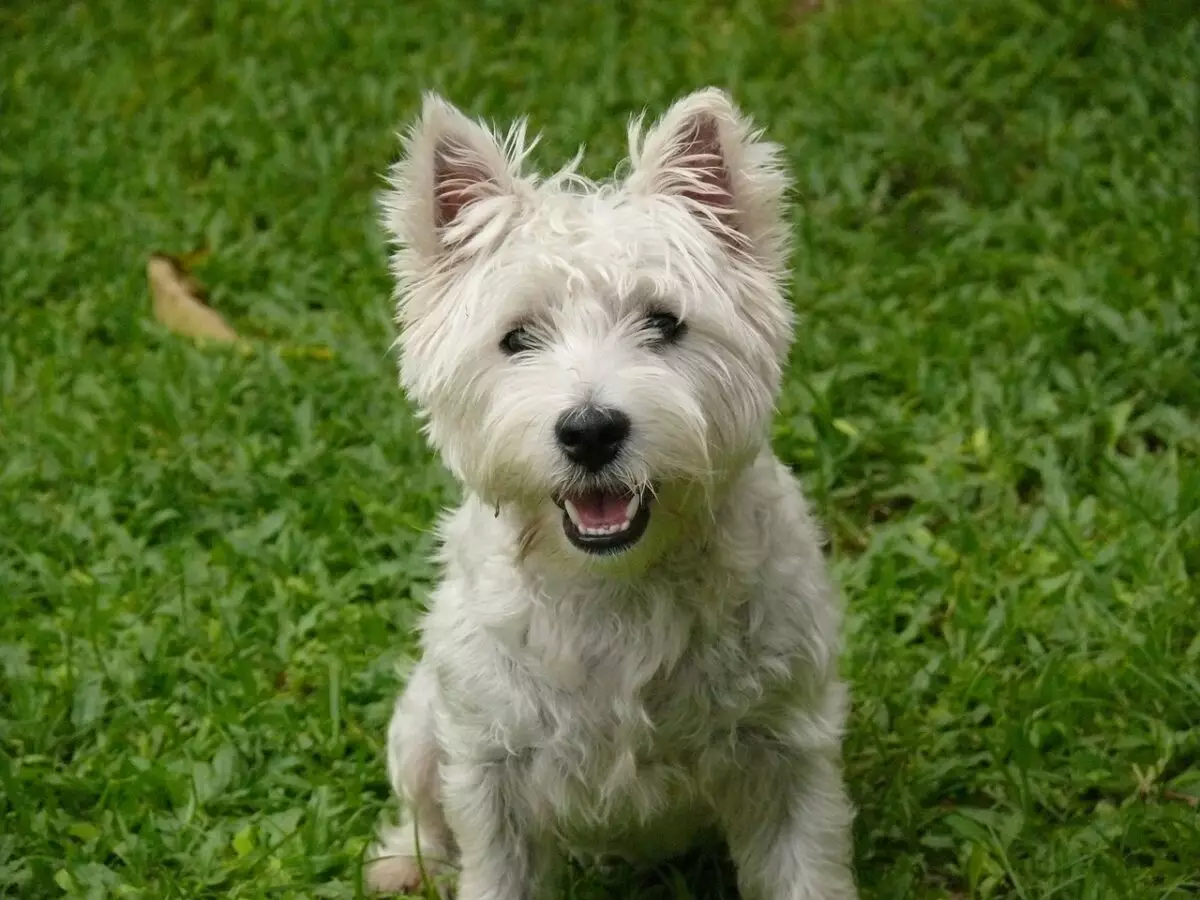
787,820
499,855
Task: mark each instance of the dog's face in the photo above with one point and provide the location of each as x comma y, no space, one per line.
602,358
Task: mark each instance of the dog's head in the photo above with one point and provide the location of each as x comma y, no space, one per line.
601,357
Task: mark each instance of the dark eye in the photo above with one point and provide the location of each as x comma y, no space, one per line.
665,327
517,341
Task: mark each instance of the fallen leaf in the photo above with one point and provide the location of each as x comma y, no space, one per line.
179,303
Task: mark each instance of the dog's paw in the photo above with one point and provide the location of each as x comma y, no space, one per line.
402,875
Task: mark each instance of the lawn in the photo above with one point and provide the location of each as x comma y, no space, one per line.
211,560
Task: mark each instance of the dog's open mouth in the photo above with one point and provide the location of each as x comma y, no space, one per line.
604,521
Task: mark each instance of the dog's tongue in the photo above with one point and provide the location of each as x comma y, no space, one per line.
597,509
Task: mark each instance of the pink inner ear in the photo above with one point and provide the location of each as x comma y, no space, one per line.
458,181
700,159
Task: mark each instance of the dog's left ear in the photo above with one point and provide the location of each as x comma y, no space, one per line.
707,155
457,186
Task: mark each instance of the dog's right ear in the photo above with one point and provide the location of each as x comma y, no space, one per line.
706,155
456,188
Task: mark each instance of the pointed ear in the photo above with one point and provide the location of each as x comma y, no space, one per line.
457,184
704,153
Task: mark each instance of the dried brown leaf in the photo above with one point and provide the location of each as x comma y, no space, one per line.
179,302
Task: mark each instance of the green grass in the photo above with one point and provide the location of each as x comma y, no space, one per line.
211,561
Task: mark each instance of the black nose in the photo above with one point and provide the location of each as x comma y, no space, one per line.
592,435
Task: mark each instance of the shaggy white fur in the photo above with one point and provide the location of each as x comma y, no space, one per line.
634,643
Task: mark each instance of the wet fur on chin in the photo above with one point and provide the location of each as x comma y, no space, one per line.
569,704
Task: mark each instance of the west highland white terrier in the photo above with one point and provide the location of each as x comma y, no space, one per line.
634,643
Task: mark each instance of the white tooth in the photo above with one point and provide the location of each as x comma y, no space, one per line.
573,514
600,530
632,507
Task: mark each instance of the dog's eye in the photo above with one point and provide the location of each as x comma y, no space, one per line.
517,341
665,327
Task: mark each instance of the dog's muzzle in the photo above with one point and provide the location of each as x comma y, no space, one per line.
604,521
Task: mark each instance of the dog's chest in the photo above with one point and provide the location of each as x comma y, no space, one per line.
628,700
645,668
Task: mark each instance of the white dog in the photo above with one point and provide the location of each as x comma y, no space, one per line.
634,643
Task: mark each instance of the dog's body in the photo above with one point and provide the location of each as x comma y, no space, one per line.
634,644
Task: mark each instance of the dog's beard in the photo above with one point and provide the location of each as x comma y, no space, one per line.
598,514
662,488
